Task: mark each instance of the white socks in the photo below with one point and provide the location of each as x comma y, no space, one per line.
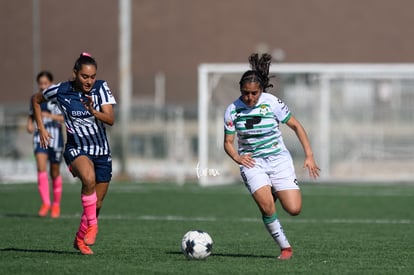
275,229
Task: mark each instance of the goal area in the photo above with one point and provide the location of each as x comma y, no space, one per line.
359,118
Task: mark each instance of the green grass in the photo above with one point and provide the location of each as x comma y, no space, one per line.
343,229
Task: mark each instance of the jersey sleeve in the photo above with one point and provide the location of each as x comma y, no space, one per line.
229,127
50,93
280,110
106,94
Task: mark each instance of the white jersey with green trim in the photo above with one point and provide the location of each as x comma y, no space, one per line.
257,127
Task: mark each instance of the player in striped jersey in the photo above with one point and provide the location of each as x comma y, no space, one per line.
52,119
265,163
87,106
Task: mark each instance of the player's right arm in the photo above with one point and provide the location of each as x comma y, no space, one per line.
245,160
44,135
29,124
229,148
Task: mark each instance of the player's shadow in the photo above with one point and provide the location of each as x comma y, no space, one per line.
47,251
232,255
241,255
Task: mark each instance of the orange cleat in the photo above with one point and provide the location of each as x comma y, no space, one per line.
286,254
55,212
44,209
90,235
80,245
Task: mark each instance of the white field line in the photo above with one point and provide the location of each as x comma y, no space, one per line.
255,220
242,220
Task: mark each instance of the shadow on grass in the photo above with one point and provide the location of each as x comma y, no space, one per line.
233,255
13,249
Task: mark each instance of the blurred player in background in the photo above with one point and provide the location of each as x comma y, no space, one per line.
265,163
87,105
52,120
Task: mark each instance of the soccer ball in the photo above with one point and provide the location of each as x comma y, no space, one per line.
196,244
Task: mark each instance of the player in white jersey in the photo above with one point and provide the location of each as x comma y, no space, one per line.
87,106
265,163
52,119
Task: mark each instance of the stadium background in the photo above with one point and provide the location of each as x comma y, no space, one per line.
169,40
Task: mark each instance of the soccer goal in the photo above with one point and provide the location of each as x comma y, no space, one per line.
358,117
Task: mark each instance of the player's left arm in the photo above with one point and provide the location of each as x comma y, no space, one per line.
106,102
309,163
56,117
106,115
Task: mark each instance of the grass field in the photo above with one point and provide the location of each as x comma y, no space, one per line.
343,229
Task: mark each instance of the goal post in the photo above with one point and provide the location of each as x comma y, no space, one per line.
204,94
340,106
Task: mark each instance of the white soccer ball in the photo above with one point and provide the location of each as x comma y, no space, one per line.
196,244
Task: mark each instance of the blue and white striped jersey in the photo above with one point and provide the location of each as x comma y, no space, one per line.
84,131
52,126
257,128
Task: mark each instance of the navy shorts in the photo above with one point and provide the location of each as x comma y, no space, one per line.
54,155
102,164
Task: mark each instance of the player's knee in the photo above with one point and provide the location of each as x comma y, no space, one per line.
88,182
294,211
268,209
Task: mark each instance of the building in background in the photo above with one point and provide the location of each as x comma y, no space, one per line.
174,36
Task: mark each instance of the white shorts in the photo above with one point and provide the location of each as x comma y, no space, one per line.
276,171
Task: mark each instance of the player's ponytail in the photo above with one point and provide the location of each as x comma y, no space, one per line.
259,72
84,59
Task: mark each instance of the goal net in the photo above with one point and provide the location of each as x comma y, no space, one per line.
358,117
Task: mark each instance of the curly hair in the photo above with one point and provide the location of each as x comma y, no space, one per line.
259,71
